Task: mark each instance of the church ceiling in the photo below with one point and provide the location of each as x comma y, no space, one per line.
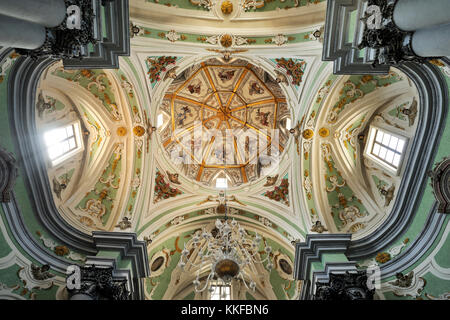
145,174
194,104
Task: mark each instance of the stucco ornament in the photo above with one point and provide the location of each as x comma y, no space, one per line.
226,7
279,39
172,36
349,214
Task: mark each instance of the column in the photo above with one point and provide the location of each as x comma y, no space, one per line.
432,42
49,13
410,15
17,33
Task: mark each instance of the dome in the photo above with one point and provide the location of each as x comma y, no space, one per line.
221,120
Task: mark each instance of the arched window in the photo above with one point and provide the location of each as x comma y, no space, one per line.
386,148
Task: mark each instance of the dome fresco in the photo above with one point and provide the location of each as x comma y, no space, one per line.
224,121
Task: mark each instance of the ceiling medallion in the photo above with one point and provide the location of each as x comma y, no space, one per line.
226,7
324,132
226,40
308,134
139,131
227,250
121,131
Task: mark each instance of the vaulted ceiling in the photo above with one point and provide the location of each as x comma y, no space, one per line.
250,70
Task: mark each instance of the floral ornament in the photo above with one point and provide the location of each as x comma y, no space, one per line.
207,4
293,68
279,39
173,36
158,65
324,132
308,134
383,257
226,7
280,193
163,189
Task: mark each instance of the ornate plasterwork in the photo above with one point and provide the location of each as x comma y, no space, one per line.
95,208
158,65
97,83
336,126
163,190
440,181
280,193
226,7
295,68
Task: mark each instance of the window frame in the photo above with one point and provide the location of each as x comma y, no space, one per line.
65,156
385,165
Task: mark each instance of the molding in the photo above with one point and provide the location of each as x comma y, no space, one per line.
22,84
313,248
433,96
345,55
106,52
417,249
129,247
32,247
309,286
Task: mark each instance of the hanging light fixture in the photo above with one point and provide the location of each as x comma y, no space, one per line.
228,250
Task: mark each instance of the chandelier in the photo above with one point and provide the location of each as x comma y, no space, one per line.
228,250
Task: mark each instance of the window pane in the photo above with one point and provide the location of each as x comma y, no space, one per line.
393,143
386,139
390,156
396,161
65,146
221,183
379,137
60,141
54,152
69,131
376,149
54,136
400,146
383,152
72,144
